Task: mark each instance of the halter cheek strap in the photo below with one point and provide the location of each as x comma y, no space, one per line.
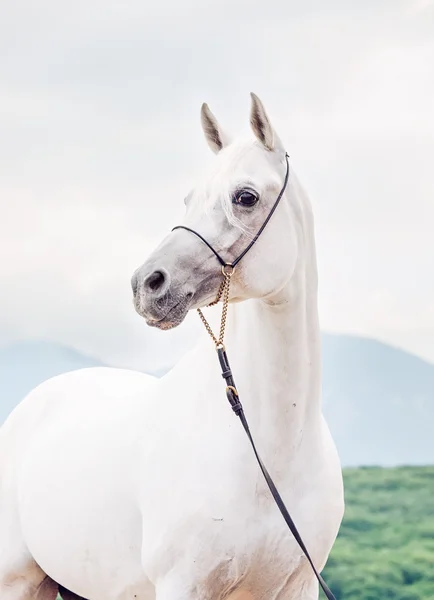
264,224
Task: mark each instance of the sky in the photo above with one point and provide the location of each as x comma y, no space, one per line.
100,141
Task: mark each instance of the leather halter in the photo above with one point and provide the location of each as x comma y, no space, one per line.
231,389
244,252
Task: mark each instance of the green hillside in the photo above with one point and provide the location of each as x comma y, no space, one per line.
385,548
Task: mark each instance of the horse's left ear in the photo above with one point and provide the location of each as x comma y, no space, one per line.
262,127
215,136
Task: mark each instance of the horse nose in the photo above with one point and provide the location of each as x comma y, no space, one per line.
156,283
134,283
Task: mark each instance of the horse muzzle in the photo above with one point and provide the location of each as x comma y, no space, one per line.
158,300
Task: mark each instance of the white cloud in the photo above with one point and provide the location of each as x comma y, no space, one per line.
100,140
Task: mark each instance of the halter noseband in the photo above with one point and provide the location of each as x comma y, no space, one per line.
244,252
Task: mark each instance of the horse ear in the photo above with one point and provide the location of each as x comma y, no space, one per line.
261,125
215,136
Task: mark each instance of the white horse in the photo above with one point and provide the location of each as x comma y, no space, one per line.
116,485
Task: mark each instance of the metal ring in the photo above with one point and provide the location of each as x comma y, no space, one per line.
226,272
220,346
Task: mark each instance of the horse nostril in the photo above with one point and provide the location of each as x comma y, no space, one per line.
155,281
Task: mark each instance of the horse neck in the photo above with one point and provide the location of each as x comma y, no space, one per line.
275,352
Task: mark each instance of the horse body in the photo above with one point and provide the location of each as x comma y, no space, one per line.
118,485
75,440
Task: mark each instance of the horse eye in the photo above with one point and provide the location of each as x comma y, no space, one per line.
246,198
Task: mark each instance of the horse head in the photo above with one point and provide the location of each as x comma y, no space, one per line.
226,209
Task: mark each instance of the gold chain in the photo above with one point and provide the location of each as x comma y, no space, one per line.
223,291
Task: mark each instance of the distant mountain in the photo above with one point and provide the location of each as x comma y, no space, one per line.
378,401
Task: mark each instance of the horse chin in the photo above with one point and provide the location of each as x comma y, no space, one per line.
166,324
173,318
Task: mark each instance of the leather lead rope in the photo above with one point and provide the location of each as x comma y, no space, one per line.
234,400
231,390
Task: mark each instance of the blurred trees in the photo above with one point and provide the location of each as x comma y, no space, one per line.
385,548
